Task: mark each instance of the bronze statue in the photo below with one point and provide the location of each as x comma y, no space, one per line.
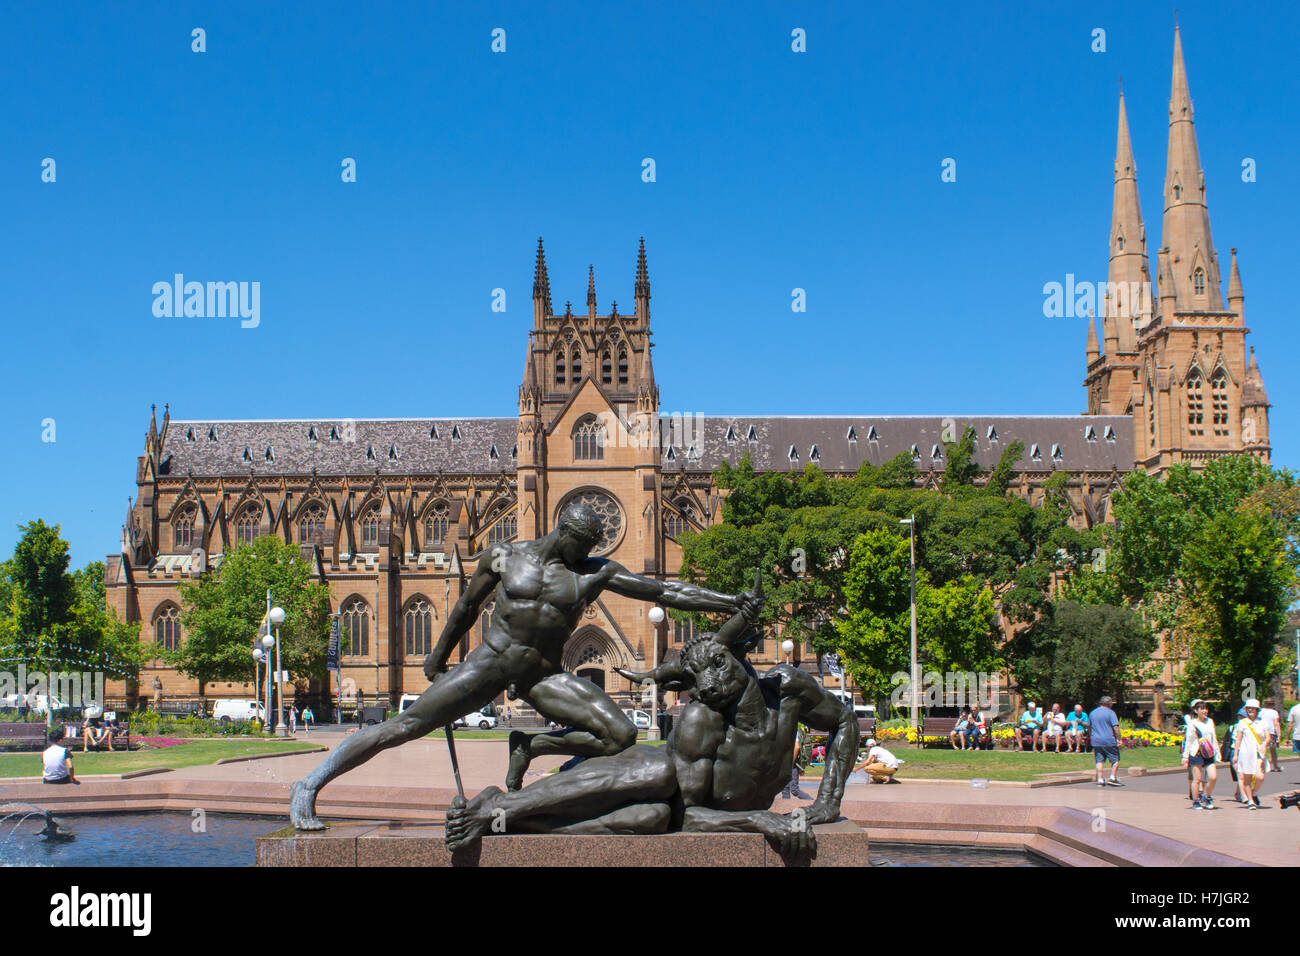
728,756
540,588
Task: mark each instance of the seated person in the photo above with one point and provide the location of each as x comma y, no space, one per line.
1031,722
1076,728
729,754
958,736
95,732
1054,729
975,728
879,763
56,761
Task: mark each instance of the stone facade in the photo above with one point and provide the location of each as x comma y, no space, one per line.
393,512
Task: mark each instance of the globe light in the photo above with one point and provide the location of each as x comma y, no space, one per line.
656,614
268,642
787,646
257,654
277,615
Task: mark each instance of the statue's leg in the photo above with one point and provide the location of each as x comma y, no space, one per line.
466,688
604,789
594,726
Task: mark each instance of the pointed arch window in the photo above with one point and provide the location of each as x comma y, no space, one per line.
417,627
680,520
1198,281
1195,404
370,528
588,439
354,622
248,524
504,530
311,523
183,527
1219,398
167,627
435,523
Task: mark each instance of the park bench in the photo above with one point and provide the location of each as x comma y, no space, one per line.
1027,738
943,727
866,727
23,735
121,738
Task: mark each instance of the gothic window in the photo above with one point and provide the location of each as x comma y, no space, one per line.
167,627
1219,396
370,528
622,366
1178,191
311,523
683,631
504,530
1195,405
247,524
435,523
354,621
1198,281
1119,241
559,367
575,364
590,655
588,439
183,528
417,625
675,522
606,368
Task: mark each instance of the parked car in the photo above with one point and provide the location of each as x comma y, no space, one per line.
640,719
406,701
227,711
36,703
484,719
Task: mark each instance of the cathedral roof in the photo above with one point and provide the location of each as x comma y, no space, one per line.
842,443
341,446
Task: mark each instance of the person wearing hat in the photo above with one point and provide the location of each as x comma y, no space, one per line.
1200,753
1105,741
879,764
1249,742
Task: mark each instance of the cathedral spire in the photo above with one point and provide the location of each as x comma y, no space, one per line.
541,288
1186,228
1092,339
1236,297
591,291
642,287
1129,271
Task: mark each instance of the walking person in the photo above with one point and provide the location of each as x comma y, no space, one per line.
1249,753
293,719
1230,756
307,718
1200,752
1293,721
1104,727
792,789
1272,722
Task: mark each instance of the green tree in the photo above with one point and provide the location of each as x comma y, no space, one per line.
221,612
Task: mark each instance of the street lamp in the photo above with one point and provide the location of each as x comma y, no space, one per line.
268,642
787,648
257,670
656,618
911,530
276,617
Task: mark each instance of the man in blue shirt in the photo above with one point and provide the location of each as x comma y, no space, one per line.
1104,727
1076,727
1031,722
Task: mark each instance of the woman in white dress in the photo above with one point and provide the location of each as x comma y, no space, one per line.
1248,745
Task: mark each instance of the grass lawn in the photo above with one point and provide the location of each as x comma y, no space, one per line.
197,750
942,762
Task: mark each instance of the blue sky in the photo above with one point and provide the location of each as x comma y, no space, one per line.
775,170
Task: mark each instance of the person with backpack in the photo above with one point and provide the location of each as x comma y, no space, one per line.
1200,754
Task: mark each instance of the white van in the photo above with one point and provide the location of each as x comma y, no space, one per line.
36,703
227,711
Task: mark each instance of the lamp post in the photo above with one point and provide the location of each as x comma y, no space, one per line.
787,648
258,655
268,642
911,531
277,618
656,618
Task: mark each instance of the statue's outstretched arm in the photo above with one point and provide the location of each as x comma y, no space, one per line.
463,614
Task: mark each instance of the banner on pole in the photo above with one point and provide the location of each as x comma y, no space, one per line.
332,656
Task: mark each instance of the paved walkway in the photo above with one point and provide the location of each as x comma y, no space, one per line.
1154,803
